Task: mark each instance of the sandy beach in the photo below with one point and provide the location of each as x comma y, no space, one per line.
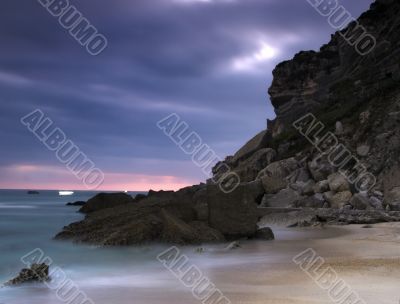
367,259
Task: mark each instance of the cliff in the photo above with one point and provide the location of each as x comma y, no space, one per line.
359,94
353,99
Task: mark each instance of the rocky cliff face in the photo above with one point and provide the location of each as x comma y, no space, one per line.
358,97
337,75
355,97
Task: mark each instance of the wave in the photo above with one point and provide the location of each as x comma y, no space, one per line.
8,206
138,281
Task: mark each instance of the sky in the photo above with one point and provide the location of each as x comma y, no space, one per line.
209,61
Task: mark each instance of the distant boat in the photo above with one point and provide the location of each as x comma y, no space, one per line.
65,193
33,192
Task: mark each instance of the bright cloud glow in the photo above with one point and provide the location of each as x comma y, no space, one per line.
251,62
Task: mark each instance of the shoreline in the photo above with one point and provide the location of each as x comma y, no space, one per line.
259,272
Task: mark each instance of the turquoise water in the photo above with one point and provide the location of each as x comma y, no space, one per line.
28,222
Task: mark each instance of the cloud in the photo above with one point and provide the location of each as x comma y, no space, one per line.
210,62
14,80
253,61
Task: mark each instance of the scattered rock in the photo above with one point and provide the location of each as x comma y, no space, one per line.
37,273
391,184
376,203
253,145
273,184
265,199
315,201
234,245
33,192
339,200
367,226
302,175
360,202
280,169
395,206
321,187
338,183
308,187
363,150
265,233
283,199
200,250
248,169
339,130
320,168
393,196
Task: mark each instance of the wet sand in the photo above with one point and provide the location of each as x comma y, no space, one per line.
368,260
263,272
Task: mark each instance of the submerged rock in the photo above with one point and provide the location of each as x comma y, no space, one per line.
234,245
33,192
36,273
77,203
265,233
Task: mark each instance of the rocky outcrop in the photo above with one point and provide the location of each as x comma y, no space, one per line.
36,273
106,200
255,144
319,217
193,215
176,231
133,223
235,214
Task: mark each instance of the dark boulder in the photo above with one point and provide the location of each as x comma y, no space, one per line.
77,203
33,192
235,214
265,233
36,273
106,200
